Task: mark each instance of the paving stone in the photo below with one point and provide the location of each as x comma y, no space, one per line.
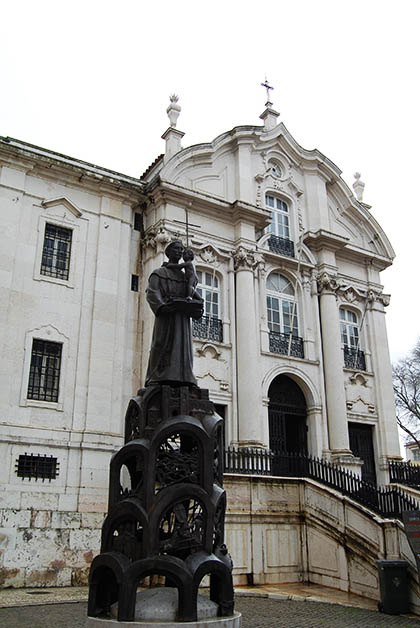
256,613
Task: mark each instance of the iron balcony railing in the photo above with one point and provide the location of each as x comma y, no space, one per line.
282,246
208,328
354,359
404,473
386,501
279,343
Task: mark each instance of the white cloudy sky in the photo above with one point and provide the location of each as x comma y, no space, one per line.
91,79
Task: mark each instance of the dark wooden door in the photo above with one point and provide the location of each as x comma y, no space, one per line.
361,444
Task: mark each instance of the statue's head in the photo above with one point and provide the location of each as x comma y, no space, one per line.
188,255
174,248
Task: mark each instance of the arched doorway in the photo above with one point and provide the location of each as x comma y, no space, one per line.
286,422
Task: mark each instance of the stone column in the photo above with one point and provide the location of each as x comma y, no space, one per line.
388,440
247,352
333,368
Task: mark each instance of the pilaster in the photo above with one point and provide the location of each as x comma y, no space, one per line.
249,390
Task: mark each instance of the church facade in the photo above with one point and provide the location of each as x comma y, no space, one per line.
292,345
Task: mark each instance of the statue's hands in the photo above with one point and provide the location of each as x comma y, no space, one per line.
168,308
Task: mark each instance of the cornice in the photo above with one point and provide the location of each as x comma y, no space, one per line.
39,162
322,239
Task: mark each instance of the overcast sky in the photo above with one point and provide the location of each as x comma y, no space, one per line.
92,79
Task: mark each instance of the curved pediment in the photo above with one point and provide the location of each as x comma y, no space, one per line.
249,162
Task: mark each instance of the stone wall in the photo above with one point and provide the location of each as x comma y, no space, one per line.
291,530
43,548
277,530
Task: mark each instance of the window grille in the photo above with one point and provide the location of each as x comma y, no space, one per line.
37,467
44,372
56,251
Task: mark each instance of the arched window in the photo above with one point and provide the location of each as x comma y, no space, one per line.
354,357
209,326
282,316
280,240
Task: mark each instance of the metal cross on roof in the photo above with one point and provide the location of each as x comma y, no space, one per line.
267,87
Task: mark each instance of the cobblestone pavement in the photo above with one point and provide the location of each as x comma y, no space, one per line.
256,613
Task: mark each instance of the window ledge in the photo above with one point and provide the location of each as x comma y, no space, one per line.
209,341
56,280
276,356
49,405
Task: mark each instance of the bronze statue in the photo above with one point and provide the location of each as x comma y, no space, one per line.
168,519
173,297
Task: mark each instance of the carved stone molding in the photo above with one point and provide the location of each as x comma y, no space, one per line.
328,283
243,259
157,239
283,183
354,294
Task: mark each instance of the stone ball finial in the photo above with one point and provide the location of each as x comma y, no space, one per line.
173,110
358,186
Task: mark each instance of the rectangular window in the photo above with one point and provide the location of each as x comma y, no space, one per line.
44,372
37,467
56,252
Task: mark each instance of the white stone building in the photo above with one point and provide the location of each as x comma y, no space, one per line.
293,347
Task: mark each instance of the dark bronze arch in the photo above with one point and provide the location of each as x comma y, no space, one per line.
286,420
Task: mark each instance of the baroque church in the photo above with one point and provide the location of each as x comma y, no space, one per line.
292,347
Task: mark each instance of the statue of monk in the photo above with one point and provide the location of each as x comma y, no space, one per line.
169,296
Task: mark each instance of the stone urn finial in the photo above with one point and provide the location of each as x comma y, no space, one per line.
173,110
358,186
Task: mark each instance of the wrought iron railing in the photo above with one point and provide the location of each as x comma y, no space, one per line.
279,343
208,328
386,501
248,460
404,473
282,246
354,359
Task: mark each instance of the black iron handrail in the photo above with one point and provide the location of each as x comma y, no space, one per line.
386,501
282,246
208,328
404,473
354,359
284,345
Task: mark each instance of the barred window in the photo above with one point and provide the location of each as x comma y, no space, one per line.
56,252
44,372
35,466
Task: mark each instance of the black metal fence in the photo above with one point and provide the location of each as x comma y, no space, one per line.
404,473
386,501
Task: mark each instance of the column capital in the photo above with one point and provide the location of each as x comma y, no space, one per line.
246,259
328,283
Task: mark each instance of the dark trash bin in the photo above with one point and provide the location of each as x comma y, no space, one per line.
393,584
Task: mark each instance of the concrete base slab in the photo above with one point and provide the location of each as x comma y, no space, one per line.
218,622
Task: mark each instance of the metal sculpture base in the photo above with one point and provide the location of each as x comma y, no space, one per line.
166,512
